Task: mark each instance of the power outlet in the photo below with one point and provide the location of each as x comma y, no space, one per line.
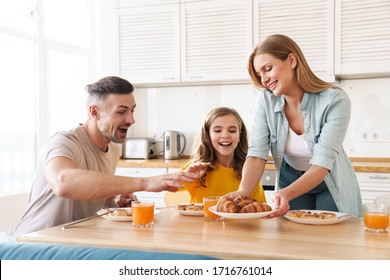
374,136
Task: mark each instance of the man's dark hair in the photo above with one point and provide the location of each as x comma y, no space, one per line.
108,85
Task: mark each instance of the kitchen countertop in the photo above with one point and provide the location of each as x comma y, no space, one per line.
380,165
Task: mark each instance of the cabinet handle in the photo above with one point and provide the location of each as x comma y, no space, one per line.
378,177
195,77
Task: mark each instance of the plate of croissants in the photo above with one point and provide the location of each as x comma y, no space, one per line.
316,217
241,208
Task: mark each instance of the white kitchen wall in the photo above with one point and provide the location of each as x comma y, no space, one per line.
184,109
370,113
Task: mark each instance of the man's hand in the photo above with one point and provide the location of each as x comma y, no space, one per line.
125,200
173,181
198,168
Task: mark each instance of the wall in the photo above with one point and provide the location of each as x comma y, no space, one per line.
184,109
370,112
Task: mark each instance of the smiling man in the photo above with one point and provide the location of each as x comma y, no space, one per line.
76,169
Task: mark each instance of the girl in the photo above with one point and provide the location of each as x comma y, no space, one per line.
223,143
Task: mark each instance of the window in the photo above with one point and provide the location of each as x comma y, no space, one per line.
46,61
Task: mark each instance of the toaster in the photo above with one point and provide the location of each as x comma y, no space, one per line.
139,148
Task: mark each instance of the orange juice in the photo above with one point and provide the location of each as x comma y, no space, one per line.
376,220
207,212
143,214
376,217
209,201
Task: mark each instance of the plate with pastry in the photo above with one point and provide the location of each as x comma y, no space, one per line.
241,208
316,217
190,209
119,214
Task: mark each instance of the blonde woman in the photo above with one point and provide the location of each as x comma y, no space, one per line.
302,120
223,142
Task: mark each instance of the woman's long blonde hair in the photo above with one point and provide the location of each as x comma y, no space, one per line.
204,150
280,46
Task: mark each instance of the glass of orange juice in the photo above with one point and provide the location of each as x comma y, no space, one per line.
143,213
376,217
209,201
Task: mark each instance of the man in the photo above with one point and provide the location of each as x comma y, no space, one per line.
75,175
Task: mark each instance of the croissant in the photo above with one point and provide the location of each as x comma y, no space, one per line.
241,204
245,202
255,207
241,198
227,205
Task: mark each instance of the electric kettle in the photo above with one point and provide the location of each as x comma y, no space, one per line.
174,144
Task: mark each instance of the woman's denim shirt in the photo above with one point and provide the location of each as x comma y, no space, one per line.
326,117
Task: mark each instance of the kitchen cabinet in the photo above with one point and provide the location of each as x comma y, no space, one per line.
309,23
149,41
185,42
167,42
362,38
373,184
216,40
173,170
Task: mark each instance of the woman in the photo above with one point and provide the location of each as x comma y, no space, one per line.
303,121
223,143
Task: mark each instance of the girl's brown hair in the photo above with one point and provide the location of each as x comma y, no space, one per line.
204,151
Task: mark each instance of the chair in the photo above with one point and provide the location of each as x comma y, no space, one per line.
383,199
174,198
12,208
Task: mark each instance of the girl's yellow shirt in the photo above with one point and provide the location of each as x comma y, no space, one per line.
220,181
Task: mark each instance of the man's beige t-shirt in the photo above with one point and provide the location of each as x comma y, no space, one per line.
45,208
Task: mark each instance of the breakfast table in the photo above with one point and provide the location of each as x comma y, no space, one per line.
272,239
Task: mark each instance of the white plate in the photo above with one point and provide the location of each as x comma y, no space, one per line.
120,218
257,215
190,213
319,221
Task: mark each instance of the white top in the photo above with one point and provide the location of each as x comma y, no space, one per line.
297,153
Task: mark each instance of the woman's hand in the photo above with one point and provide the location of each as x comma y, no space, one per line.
281,205
235,194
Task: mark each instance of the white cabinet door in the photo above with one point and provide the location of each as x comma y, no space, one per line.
362,38
157,197
372,185
173,170
310,23
216,40
149,42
